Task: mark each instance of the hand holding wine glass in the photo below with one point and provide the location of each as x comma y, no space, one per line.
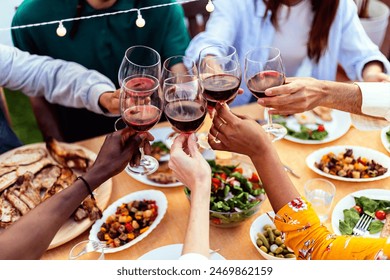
220,73
264,69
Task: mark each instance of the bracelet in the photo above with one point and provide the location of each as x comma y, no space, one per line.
87,186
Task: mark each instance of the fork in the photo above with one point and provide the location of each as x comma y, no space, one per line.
89,247
362,225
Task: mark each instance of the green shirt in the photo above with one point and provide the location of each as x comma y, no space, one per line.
99,43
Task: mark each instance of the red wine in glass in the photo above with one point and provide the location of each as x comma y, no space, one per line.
140,86
141,117
264,80
220,87
185,115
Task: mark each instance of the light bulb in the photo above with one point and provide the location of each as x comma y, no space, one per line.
140,22
61,30
210,6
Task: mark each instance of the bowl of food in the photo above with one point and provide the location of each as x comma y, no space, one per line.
269,241
236,194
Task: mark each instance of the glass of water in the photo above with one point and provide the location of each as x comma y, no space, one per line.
320,193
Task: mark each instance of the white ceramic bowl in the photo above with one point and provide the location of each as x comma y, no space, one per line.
256,227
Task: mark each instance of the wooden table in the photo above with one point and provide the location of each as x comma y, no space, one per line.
234,243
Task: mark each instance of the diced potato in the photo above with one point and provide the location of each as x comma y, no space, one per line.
356,174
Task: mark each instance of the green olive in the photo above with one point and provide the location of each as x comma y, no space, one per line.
278,241
264,249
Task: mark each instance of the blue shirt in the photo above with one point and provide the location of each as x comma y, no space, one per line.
60,82
243,24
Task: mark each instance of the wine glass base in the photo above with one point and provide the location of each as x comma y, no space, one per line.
275,131
147,166
203,140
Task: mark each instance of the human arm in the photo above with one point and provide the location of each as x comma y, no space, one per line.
47,218
303,94
245,136
60,82
185,158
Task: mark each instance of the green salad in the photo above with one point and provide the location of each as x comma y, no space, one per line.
305,132
388,135
374,207
233,195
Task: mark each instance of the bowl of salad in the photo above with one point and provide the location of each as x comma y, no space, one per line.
236,194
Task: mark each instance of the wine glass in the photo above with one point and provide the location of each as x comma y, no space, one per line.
172,68
185,106
140,59
264,69
141,106
220,73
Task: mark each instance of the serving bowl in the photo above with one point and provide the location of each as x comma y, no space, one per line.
236,194
259,231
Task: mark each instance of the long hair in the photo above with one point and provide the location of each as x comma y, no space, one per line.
324,14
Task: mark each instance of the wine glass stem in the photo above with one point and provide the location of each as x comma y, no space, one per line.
269,117
144,161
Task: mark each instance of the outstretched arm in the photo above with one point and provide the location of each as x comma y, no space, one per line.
59,81
303,94
47,218
185,160
246,136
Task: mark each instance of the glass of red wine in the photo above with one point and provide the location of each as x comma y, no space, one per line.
264,69
220,73
174,66
140,59
141,105
185,106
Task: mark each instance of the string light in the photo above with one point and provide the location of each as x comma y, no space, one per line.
210,6
140,22
61,30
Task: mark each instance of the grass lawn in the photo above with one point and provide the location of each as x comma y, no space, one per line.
22,117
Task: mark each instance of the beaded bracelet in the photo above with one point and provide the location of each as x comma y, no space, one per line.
87,186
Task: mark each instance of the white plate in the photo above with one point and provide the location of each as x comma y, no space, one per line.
370,154
161,134
384,139
161,202
337,127
256,227
172,252
349,201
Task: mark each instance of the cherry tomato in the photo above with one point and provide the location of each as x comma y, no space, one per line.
254,178
358,209
216,221
238,169
380,215
321,128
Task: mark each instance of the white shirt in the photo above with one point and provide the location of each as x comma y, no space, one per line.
290,19
60,82
376,103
